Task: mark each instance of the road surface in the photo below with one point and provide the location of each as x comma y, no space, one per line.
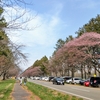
87,93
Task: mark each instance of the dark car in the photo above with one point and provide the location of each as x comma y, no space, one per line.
66,78
50,78
83,81
58,80
95,81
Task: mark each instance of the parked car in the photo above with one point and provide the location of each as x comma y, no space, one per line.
50,78
95,81
45,78
58,80
66,78
74,80
69,81
82,81
36,78
87,83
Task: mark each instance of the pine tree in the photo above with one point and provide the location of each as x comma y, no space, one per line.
92,26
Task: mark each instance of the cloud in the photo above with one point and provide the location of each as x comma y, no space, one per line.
41,40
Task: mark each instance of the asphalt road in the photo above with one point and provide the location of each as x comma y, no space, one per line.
87,93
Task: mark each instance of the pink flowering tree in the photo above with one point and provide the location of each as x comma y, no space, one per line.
57,63
53,67
60,57
13,72
36,71
80,54
84,50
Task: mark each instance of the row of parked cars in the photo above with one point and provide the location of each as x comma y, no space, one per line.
69,80
92,81
45,78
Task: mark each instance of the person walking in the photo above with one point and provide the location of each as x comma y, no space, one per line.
21,80
25,80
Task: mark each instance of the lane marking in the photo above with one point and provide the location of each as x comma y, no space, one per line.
71,93
81,89
66,92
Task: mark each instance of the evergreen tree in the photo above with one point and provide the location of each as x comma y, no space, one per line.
92,26
3,25
42,64
59,44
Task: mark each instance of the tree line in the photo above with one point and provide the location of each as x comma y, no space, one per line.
80,53
11,55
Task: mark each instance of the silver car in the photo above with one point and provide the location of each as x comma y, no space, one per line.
74,80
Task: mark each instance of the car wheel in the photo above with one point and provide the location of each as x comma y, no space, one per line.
99,85
89,85
63,83
75,83
55,83
70,82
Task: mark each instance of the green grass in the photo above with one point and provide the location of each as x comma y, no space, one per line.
48,94
6,87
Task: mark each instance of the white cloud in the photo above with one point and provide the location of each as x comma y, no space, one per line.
40,40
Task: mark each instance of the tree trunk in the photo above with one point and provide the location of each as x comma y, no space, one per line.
99,74
89,74
81,72
95,70
4,76
56,74
68,73
84,73
72,72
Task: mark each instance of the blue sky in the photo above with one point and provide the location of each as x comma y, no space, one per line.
56,19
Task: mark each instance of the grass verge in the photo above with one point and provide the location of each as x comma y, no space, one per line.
6,87
48,94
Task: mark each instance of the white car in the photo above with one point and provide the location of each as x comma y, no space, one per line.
74,80
69,81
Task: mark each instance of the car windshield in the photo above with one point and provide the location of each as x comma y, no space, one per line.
60,79
95,78
77,79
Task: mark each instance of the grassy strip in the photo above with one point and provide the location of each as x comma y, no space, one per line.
6,87
48,94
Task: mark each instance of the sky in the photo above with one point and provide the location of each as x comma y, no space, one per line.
52,20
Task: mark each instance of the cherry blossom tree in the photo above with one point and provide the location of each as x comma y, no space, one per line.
13,72
81,53
36,71
87,49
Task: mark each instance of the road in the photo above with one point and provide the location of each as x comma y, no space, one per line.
87,93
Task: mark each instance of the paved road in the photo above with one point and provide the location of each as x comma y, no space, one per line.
87,93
